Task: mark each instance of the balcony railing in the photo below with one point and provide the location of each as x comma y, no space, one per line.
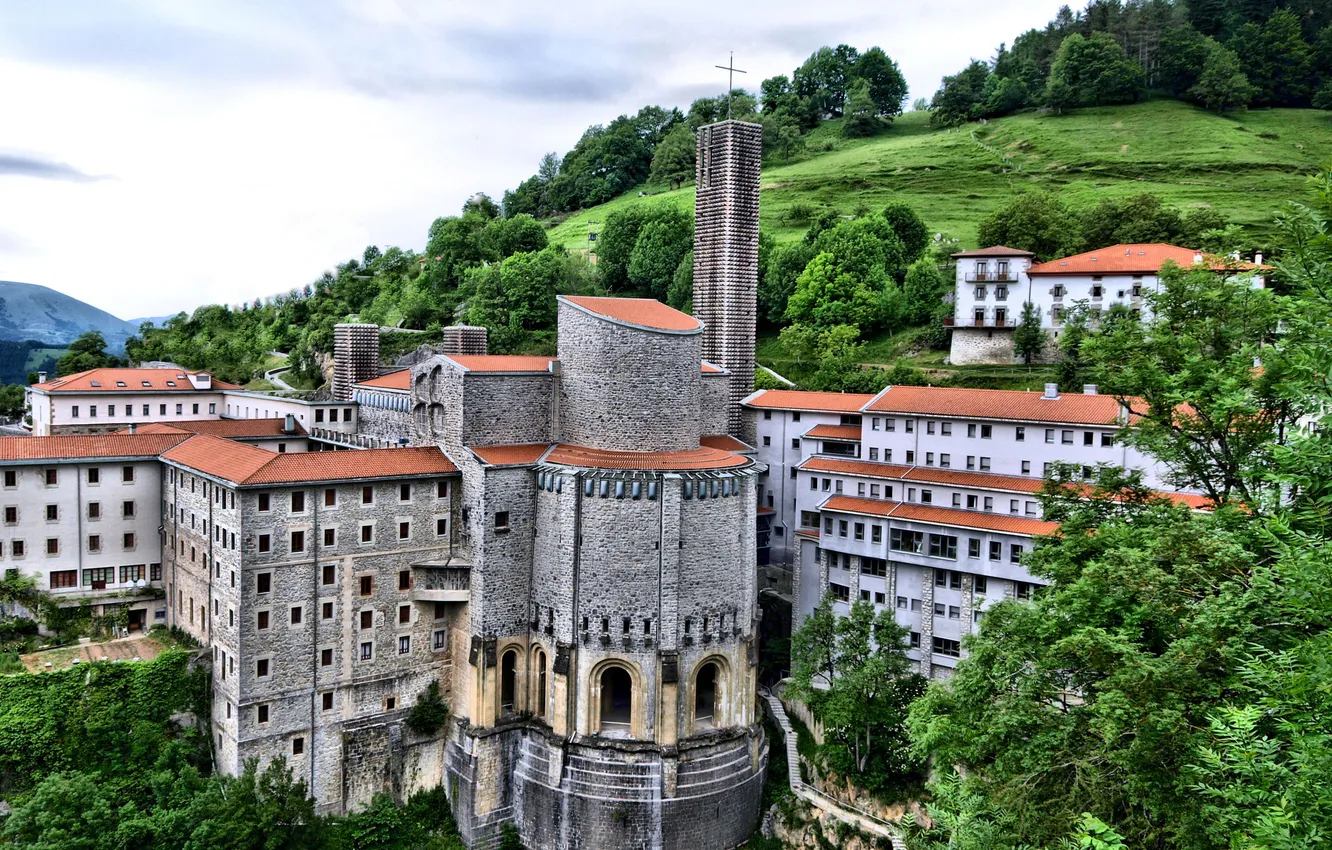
973,322
992,277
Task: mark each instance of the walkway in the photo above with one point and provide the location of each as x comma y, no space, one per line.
864,821
272,374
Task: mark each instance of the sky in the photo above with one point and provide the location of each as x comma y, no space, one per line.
158,155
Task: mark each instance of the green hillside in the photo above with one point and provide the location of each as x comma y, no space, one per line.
1245,166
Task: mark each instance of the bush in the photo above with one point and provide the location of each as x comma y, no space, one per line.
430,713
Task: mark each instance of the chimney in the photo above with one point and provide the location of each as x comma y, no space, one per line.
1051,391
41,377
1197,256
289,424
1258,257
134,427
1089,389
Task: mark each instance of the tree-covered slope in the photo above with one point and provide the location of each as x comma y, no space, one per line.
1242,166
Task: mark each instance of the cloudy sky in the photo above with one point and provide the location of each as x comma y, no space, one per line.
157,155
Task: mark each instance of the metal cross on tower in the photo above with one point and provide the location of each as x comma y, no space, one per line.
731,70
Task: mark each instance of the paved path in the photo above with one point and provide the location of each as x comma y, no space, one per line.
272,374
862,820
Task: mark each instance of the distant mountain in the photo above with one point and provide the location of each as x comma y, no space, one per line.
159,321
29,311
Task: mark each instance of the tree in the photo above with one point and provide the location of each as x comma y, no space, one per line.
673,162
1276,60
1029,338
863,688
1093,71
1183,53
661,244
87,351
67,811
861,112
1222,86
681,294
481,204
616,241
910,229
959,95
887,88
923,291
504,237
1136,219
1033,221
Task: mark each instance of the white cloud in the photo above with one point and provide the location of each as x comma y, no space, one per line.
243,149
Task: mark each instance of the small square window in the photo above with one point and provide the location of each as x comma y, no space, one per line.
404,644
261,712
327,701
367,534
367,495
261,668
367,650
367,584
296,614
404,614
367,619
404,530
326,610
263,582
404,579
501,520
325,658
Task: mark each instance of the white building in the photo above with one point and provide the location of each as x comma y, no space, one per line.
924,499
993,284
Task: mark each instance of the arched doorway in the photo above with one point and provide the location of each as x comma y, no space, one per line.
539,660
705,698
617,700
508,680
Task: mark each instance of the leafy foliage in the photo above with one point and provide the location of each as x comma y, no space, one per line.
429,713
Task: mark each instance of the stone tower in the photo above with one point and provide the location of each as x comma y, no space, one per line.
355,357
726,229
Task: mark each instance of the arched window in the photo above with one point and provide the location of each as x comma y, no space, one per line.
540,659
508,678
705,697
617,699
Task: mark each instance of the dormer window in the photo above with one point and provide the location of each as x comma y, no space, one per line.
146,383
171,383
120,383
96,383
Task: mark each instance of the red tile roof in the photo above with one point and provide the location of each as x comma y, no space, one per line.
924,474
641,312
995,251
501,362
1013,405
109,380
802,400
725,442
712,369
941,516
1132,259
688,459
510,455
399,380
248,465
835,432
232,429
84,446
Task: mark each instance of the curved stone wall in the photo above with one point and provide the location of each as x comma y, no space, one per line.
625,387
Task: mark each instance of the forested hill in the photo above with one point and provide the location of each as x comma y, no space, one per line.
1240,166
29,311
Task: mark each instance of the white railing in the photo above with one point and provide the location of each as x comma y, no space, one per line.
355,441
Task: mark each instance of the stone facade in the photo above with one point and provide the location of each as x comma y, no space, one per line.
726,226
981,345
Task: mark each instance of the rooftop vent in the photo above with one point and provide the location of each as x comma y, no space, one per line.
1090,389
289,424
1258,257
1051,391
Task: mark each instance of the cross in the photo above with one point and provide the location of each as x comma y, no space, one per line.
730,81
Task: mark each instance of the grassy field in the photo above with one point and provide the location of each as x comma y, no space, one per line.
37,356
1245,166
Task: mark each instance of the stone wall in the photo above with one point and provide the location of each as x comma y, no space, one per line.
627,388
384,423
713,401
981,345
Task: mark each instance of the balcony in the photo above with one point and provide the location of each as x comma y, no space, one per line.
973,322
441,581
992,277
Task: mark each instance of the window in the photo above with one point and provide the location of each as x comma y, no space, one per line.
902,602
327,701
985,464
127,541
873,454
767,441
404,644
946,428
298,541
17,548
441,527
438,639
11,477
980,583
99,575
127,509
326,610
809,519
64,578
367,619
1013,505
943,546
74,412
404,530
263,582
1015,553
162,410
261,668
145,410
909,426
840,592
11,515
296,615
441,610
261,620
298,501
1107,441
910,456
441,489
996,551
795,416
330,539
261,712
367,534
330,497
915,605
1049,435
841,527
827,525
940,609
988,503
265,542
902,540
53,545
876,534
1020,434
367,584
404,614
860,531
367,495
1023,590
404,579
874,566
874,491
180,408
944,646
827,484
795,443
52,513
1030,508
501,520
325,658
971,461
1066,437
929,458
973,547
890,424
367,650
1026,467
945,460
264,503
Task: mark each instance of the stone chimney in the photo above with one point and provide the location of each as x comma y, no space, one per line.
1090,389
1051,391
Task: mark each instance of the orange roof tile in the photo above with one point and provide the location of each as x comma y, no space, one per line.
501,362
688,459
84,446
725,442
399,380
924,474
803,400
248,465
712,369
1013,405
134,380
641,312
510,455
835,432
941,516
1132,259
233,429
995,251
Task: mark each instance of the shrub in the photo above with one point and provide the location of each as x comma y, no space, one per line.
430,713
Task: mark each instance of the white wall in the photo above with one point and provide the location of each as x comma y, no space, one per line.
103,409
